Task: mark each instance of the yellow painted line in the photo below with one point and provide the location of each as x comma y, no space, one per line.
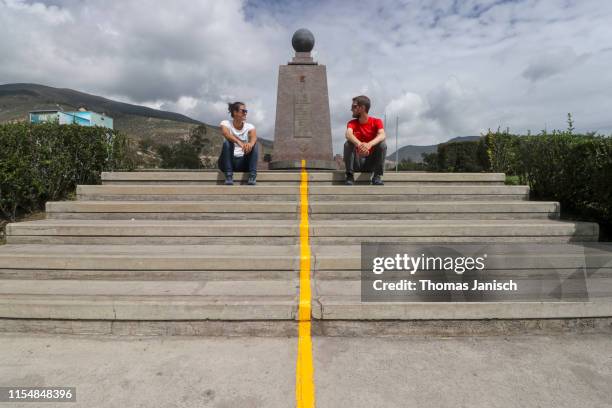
304,372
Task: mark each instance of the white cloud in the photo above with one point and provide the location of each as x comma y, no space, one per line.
445,68
48,14
552,62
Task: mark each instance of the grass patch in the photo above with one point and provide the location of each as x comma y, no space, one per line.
512,181
37,215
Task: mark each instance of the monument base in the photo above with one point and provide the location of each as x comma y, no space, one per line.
297,165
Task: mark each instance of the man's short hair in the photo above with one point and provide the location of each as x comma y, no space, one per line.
362,100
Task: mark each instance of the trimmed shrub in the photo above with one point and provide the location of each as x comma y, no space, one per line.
465,156
575,170
39,163
502,152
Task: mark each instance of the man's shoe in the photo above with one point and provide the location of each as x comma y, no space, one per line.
252,181
350,180
377,181
229,180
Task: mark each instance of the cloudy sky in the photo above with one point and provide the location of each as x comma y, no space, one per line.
444,68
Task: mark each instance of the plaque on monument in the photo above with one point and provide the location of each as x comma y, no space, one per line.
302,129
302,115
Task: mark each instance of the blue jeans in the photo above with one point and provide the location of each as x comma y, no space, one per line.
228,164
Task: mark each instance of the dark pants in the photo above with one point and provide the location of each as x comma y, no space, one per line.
374,163
228,164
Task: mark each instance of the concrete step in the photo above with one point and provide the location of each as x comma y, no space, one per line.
291,193
468,192
338,262
423,210
149,262
202,177
542,288
327,305
279,232
357,231
185,210
337,286
89,232
175,210
150,300
143,192
286,177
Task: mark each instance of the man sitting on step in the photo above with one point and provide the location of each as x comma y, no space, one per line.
365,149
239,152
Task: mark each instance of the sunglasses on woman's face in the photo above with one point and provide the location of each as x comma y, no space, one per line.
244,110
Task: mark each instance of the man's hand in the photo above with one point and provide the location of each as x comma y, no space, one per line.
247,147
363,149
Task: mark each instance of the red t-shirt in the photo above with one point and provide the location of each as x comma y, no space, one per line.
365,132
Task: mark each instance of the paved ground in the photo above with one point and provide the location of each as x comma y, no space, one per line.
568,371
522,371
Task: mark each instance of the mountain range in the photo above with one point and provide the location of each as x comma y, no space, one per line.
138,122
414,153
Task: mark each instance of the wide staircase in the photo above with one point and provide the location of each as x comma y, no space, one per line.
178,252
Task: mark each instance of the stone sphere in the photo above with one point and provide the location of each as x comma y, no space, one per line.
303,40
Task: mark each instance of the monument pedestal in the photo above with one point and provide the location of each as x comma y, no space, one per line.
297,164
303,129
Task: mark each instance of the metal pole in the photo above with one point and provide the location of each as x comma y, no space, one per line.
396,146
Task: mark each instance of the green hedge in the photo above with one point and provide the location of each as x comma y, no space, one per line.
467,156
45,162
573,169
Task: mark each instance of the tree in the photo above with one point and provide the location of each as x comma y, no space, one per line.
197,138
431,161
408,165
165,154
182,155
146,143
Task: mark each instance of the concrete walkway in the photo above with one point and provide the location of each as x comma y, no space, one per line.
517,371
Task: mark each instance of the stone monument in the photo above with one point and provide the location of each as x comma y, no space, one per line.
303,129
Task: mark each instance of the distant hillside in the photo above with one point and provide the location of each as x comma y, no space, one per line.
414,153
48,97
138,122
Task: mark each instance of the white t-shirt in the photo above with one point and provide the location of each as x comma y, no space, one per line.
242,134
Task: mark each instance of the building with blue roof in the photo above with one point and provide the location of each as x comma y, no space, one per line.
80,117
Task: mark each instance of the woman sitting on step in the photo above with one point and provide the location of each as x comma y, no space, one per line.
239,152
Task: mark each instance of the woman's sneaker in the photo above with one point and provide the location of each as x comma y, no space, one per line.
252,180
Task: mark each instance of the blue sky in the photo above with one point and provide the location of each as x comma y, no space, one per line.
445,68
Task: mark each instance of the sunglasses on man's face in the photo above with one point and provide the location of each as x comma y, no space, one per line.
354,107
